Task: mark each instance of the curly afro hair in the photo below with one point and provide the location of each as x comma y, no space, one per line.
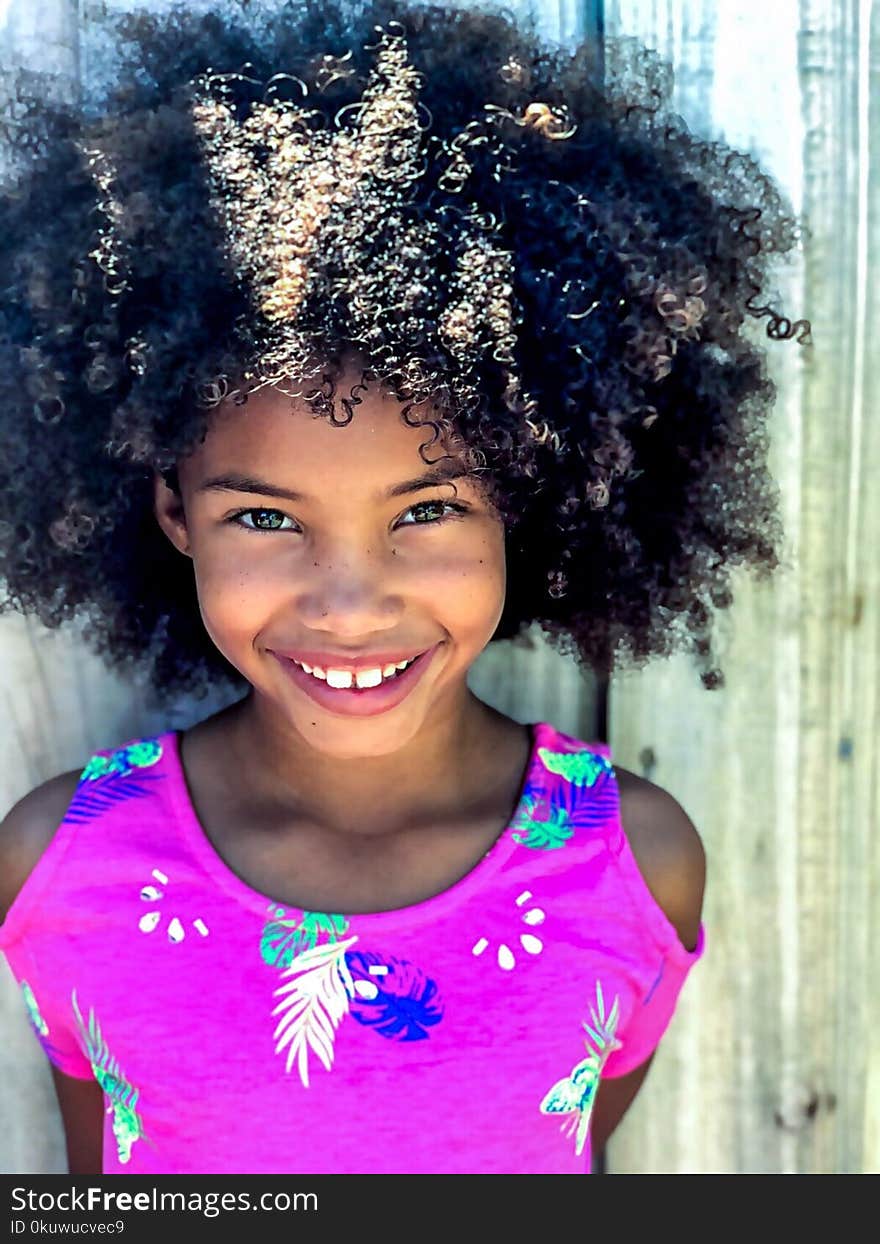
489,220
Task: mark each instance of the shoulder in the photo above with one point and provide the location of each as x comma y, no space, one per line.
28,828
668,850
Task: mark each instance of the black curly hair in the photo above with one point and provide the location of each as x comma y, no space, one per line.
491,220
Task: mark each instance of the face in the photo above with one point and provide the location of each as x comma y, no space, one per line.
341,549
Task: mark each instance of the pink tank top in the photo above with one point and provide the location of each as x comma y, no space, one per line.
232,1033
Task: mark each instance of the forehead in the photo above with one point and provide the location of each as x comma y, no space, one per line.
274,433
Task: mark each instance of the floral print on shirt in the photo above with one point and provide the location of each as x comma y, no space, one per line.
576,1094
127,1125
108,780
324,981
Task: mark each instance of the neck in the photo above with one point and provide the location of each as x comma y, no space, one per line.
432,776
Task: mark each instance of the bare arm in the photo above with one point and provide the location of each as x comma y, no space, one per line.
82,1112
672,861
24,835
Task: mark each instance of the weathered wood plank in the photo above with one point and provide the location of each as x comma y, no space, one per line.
772,1061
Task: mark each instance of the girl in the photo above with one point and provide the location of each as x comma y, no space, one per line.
338,344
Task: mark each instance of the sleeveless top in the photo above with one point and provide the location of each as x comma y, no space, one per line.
231,1033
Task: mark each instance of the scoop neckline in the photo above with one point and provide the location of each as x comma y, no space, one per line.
434,906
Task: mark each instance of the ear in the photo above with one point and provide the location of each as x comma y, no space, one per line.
170,515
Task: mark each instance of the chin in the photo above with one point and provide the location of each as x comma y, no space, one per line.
357,738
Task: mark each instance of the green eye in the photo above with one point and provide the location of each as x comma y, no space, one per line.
258,526
433,512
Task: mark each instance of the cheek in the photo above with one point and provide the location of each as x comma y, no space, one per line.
469,578
234,589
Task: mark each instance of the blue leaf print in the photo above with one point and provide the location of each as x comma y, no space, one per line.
98,796
533,794
398,1001
106,780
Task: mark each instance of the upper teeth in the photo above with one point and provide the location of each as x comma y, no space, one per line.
345,678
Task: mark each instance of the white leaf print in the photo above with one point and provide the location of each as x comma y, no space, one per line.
313,1001
576,1094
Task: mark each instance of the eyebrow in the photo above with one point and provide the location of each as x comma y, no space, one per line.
234,482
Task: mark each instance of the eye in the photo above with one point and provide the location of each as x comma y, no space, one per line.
261,513
433,513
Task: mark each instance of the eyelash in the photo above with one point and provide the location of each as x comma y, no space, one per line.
457,511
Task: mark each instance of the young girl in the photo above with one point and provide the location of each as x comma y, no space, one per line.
337,345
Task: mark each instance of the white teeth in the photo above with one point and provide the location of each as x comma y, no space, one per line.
343,679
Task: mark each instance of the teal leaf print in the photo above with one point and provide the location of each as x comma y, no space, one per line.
580,768
142,754
542,835
139,755
282,940
127,1125
107,780
313,1002
400,1003
576,1094
38,1023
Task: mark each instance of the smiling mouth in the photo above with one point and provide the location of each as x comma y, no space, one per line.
363,692
360,680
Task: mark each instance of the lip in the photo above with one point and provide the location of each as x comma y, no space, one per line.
367,702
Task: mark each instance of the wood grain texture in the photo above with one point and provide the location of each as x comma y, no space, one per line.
33,34
771,1064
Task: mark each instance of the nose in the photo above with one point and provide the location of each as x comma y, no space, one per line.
351,594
